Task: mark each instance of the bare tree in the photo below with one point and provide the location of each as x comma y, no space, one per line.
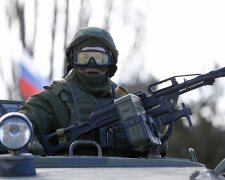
108,12
35,27
66,31
20,16
84,14
20,8
53,39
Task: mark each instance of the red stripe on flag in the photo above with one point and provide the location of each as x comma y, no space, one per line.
27,89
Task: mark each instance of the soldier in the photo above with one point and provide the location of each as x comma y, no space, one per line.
92,58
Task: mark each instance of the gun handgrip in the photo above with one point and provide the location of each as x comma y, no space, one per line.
187,114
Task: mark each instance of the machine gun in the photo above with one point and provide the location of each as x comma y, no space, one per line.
141,115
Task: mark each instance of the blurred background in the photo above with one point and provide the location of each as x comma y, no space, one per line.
156,39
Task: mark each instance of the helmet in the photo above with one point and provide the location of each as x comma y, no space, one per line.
99,34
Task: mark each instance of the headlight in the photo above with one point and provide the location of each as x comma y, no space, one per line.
15,130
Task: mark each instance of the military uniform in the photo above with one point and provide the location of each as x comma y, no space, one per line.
66,103
92,58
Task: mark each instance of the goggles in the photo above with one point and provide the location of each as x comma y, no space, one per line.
84,57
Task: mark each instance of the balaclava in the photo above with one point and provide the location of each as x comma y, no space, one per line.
92,77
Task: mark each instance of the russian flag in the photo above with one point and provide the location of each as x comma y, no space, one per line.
30,81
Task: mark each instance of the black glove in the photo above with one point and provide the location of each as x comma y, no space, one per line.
36,148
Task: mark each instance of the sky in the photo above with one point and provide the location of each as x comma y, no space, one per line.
180,37
185,36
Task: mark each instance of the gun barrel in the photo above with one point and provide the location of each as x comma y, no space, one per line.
188,85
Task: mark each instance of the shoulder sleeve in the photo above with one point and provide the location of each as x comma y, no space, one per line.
38,109
57,87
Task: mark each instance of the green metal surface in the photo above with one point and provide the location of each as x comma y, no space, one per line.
92,161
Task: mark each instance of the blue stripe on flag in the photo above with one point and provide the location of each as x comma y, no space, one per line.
38,82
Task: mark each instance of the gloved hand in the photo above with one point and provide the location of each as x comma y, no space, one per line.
36,148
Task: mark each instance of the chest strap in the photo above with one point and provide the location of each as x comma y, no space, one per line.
75,115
